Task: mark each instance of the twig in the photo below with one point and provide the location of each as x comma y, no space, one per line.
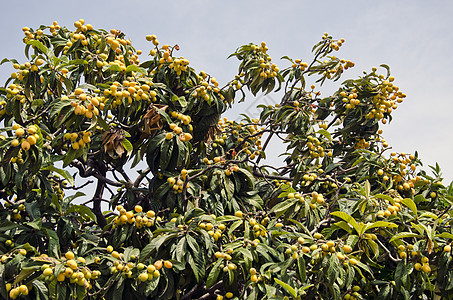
141,177
388,252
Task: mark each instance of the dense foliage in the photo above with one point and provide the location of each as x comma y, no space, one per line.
195,213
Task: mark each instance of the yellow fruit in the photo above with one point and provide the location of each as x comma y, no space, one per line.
69,255
61,277
168,264
81,259
15,143
14,293
317,235
143,276
151,269
238,214
47,272
353,261
447,248
347,248
68,272
169,136
25,146
138,208
19,132
229,295
418,266
158,265
32,129
426,268
72,264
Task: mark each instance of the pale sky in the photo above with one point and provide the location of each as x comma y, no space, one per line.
413,37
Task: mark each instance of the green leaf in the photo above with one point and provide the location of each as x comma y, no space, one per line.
54,243
411,204
403,235
347,218
367,189
287,287
227,218
282,207
127,146
113,68
83,211
445,235
42,291
24,273
379,224
66,175
154,245
40,46
181,249
334,268
248,176
301,268
151,286
234,226
429,215
385,197
401,273
133,68
325,133
215,271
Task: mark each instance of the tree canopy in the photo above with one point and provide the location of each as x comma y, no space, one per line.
178,202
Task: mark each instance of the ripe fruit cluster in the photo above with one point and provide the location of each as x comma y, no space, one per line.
387,98
16,292
138,218
28,137
76,143
216,233
243,138
140,271
179,65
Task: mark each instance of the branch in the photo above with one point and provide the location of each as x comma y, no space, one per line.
84,172
78,187
141,177
388,252
260,174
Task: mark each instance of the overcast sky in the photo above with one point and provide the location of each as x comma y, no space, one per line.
413,37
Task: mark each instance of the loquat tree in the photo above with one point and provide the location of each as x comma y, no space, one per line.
121,179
